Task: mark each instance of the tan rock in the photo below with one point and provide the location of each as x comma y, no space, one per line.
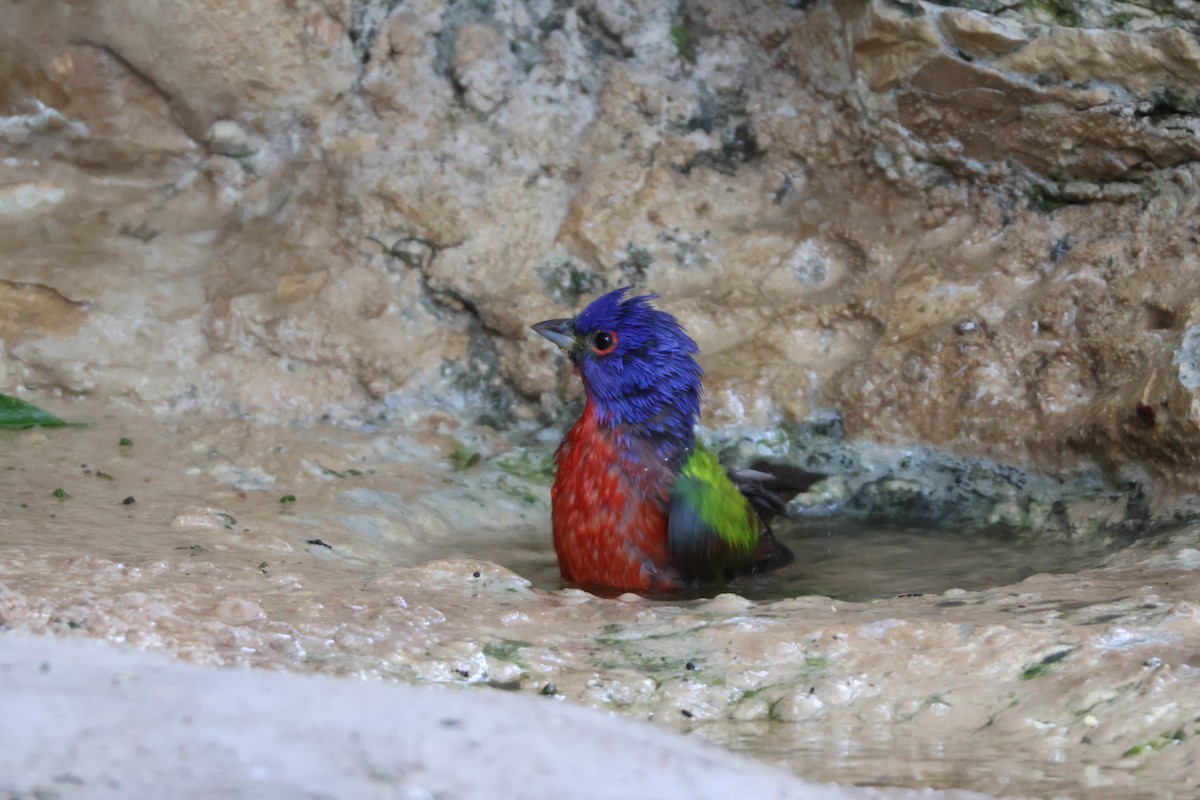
291,288
30,310
890,43
29,198
981,35
1142,63
483,65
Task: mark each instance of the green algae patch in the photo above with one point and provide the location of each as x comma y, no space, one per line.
652,654
1044,666
1177,736
1054,12
463,457
531,466
814,666
507,650
524,475
684,37
520,491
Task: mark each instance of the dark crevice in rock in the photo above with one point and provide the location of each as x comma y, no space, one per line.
1169,102
604,42
366,20
725,114
457,14
479,377
740,148
1060,249
415,251
1047,198
1159,318
190,128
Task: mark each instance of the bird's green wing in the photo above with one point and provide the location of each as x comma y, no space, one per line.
711,528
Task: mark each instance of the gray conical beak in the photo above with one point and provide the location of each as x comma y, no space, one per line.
559,331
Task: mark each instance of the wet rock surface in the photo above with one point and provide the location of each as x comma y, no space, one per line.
1059,683
945,254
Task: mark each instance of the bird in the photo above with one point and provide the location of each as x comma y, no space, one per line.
637,503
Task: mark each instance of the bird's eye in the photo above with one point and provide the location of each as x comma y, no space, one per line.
604,342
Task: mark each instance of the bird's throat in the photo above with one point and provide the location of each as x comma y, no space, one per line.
666,435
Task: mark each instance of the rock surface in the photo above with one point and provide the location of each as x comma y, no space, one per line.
970,228
962,236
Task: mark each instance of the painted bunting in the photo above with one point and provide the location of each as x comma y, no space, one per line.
637,504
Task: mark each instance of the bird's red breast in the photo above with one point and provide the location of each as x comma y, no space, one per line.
609,511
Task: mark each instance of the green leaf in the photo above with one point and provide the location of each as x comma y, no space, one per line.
17,414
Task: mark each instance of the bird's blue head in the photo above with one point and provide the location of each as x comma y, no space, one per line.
636,362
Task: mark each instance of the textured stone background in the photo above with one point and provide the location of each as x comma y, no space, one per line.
969,234
973,229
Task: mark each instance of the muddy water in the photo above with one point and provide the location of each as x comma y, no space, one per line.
991,673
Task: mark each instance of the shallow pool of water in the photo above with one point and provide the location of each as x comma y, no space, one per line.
855,560
868,561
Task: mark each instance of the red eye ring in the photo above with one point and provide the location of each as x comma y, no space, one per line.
604,342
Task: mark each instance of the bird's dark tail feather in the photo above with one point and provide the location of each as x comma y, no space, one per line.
770,486
770,554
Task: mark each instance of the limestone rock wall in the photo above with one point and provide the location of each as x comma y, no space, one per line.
973,228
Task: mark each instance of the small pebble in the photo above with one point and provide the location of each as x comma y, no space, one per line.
227,138
239,611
